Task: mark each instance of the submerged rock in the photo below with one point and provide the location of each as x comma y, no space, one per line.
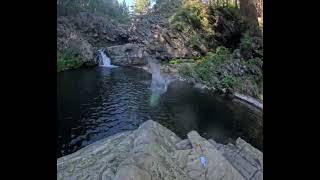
154,152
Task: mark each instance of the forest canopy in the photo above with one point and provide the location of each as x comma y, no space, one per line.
111,8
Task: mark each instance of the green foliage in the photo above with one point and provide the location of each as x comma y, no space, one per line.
193,13
212,25
224,3
222,51
230,25
110,8
254,61
187,70
212,70
178,25
261,97
209,25
204,71
208,68
164,62
141,6
247,85
174,61
228,81
220,55
246,42
230,12
246,45
195,41
66,61
252,83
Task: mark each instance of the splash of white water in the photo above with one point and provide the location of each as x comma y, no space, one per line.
159,84
105,60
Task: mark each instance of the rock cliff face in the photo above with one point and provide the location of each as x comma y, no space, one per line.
68,38
155,31
152,34
154,152
158,33
128,54
82,34
172,29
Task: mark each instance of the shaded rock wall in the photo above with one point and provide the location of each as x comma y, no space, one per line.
82,34
128,54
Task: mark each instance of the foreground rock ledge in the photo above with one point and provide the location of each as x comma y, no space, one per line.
153,152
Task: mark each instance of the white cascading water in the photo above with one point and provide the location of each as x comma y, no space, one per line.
158,84
105,60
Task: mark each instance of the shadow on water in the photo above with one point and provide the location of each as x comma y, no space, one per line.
99,102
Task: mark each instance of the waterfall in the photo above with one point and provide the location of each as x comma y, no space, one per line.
104,59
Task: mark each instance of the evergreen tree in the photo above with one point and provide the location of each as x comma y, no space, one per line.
102,7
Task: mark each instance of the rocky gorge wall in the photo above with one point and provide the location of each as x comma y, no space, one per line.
84,33
154,152
155,32
172,31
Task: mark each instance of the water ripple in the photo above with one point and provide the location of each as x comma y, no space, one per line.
107,101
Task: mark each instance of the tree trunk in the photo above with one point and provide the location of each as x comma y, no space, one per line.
236,3
259,6
249,12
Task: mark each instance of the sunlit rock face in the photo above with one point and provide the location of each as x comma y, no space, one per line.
154,152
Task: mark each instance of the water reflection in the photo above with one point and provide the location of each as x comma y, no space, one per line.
99,102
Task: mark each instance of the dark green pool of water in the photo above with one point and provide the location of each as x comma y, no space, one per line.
99,102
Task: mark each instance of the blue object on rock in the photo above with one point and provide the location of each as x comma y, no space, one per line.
203,161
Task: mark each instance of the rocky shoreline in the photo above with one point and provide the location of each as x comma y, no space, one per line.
174,75
252,101
155,36
154,152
